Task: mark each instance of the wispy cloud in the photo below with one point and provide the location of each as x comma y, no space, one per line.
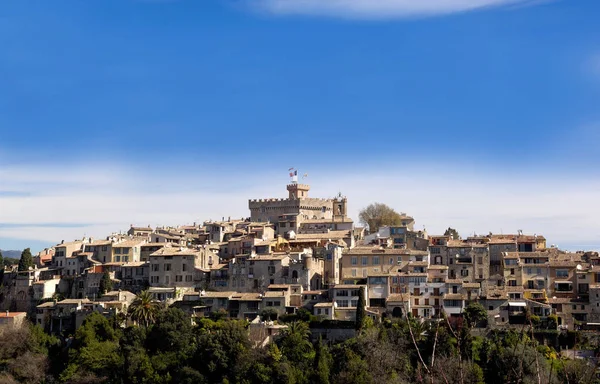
373,9
93,202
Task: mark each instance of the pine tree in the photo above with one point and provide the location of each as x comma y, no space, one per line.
1,261
105,284
360,309
26,260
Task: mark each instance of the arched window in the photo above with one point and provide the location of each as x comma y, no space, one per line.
294,274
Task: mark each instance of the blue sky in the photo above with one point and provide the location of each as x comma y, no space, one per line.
110,108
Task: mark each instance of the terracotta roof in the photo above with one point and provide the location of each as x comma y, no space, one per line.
348,286
437,266
454,296
128,244
218,295
398,297
175,251
12,314
274,294
246,297
383,251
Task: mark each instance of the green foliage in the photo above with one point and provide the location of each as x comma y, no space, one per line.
171,350
475,315
452,233
377,215
26,260
144,309
105,284
360,309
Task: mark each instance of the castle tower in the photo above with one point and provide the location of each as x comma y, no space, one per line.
340,206
298,191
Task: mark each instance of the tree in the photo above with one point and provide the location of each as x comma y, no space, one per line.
105,284
452,233
475,314
360,309
144,309
26,260
377,215
1,261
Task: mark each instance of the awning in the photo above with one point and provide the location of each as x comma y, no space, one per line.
563,282
517,304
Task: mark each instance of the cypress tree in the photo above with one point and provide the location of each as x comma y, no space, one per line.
26,260
360,309
105,284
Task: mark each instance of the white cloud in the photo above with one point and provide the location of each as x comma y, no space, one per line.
380,8
564,209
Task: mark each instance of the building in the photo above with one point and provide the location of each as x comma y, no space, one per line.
289,214
12,319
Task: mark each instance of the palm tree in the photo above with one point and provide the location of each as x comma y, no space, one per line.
144,308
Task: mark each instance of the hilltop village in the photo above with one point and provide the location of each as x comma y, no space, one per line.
304,252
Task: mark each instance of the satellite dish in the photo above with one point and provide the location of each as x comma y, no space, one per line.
579,267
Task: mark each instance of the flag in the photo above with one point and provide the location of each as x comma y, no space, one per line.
291,169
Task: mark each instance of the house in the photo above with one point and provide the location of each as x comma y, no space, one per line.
140,231
325,310
345,297
174,266
12,319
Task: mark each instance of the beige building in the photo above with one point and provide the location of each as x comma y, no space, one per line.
66,249
361,262
127,251
174,267
288,214
12,319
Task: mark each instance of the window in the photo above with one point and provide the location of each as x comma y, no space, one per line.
354,260
364,272
126,259
538,271
399,260
117,259
184,267
104,248
167,267
342,303
167,279
479,260
125,251
188,278
155,268
117,251
342,292
562,273
353,272
464,272
391,260
365,260
178,278
529,271
376,260
354,303
154,279
416,301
